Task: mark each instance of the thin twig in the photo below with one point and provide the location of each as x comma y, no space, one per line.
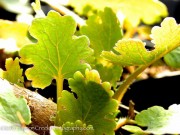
127,108
64,11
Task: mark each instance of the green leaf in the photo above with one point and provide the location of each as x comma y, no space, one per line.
157,115
157,120
103,31
13,73
54,130
172,58
11,108
94,104
14,30
110,73
132,51
77,128
58,53
10,105
133,129
148,11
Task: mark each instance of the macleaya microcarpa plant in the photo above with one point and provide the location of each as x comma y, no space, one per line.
92,62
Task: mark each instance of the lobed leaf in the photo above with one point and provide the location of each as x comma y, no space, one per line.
148,11
94,104
132,51
58,53
157,120
104,31
13,73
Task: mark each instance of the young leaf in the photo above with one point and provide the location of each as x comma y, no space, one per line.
77,128
103,31
172,58
109,72
157,120
133,52
94,104
10,107
148,11
13,73
57,54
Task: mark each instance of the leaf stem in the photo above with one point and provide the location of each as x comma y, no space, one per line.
119,94
124,121
59,83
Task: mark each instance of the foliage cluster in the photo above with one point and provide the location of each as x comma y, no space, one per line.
92,57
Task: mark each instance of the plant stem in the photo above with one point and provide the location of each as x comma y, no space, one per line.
127,108
124,121
125,85
59,83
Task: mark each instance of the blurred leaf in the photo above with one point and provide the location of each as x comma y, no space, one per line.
10,107
13,73
148,11
133,52
16,6
173,58
37,8
14,30
157,120
144,32
94,104
58,53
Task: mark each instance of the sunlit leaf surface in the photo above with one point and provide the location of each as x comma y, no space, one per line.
133,52
58,53
148,11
